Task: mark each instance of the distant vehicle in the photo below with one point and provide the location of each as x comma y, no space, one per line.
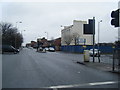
51,49
96,53
9,48
46,49
40,49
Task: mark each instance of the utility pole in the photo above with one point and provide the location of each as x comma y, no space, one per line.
99,38
47,35
15,35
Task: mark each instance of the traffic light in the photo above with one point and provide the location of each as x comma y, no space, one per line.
115,18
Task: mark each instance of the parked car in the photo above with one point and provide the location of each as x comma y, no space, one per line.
9,48
51,49
40,49
96,53
46,49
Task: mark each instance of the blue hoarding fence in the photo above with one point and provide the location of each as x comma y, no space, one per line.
80,48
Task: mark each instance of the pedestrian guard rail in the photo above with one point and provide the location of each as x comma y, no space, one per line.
116,59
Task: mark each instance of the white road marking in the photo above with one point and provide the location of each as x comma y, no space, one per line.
103,83
86,84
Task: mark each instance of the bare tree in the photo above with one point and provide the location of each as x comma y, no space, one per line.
75,37
10,35
67,39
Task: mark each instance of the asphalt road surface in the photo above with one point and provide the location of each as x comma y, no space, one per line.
30,69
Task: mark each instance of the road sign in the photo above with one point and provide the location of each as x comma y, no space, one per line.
88,28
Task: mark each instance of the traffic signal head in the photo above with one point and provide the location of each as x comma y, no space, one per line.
115,18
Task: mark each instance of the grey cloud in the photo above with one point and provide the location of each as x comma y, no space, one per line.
40,17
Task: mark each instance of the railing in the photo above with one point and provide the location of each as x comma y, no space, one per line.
116,60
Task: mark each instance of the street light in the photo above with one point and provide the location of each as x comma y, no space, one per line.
16,28
99,37
17,23
99,30
47,35
22,32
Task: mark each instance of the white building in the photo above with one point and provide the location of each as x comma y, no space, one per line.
119,22
74,35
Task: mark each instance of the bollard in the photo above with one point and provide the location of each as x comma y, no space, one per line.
86,56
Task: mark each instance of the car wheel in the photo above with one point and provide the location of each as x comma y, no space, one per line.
15,52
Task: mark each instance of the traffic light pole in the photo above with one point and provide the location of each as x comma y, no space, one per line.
93,39
99,39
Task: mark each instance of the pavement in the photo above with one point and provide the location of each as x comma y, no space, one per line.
101,66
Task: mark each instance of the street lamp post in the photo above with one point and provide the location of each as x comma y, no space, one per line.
22,34
99,38
16,28
17,23
47,35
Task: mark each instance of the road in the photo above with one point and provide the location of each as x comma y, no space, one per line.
30,69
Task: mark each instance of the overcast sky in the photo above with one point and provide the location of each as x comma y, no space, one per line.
40,17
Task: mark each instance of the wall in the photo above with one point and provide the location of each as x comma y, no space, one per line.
57,44
66,34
